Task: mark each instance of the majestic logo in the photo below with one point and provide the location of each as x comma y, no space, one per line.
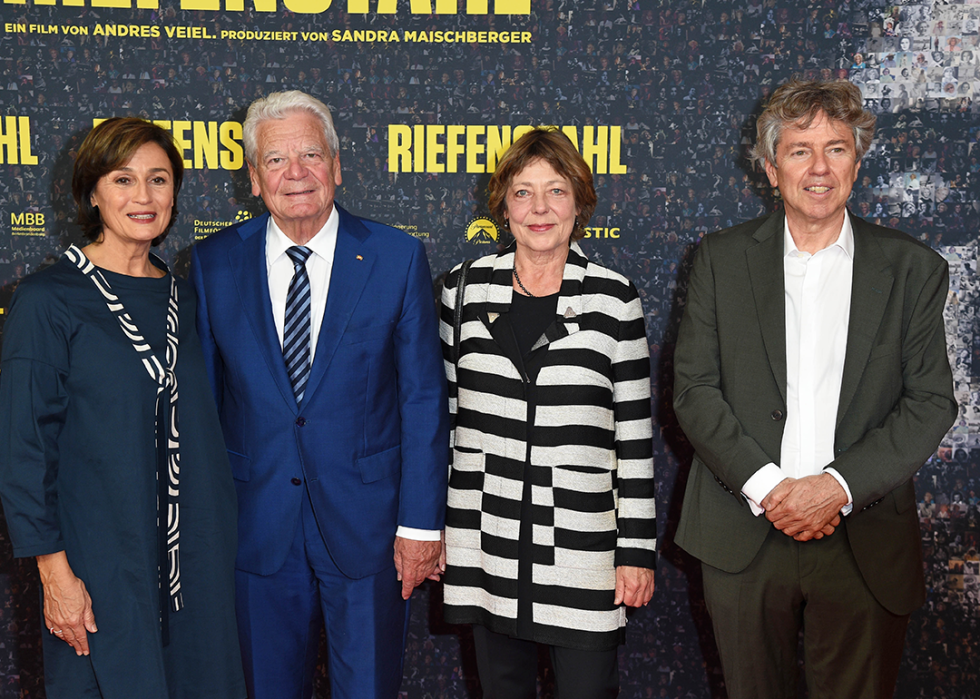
482,231
602,232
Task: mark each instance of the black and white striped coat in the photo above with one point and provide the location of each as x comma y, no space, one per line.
591,459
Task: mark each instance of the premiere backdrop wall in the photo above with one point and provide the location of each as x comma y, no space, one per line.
659,96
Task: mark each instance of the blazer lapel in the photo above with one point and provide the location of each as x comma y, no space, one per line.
500,293
870,288
253,290
765,263
352,264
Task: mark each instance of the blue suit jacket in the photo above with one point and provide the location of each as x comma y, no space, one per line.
370,439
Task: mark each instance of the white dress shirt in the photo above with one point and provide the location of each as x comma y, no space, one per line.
818,307
319,267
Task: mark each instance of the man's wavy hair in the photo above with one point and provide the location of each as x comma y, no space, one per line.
797,104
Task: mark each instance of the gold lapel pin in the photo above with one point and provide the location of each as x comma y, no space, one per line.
492,317
359,257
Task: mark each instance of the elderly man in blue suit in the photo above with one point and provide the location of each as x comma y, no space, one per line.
323,351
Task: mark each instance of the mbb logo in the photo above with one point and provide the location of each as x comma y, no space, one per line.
27,219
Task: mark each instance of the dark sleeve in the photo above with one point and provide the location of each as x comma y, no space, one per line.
34,402
699,403
422,402
890,453
212,358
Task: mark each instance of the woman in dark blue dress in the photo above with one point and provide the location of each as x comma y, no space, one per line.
113,472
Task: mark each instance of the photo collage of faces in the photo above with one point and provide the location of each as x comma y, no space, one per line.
920,56
941,658
917,67
685,82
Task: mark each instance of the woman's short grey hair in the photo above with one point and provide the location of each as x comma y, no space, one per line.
797,104
278,105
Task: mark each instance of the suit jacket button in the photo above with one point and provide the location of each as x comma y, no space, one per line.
776,415
296,481
301,421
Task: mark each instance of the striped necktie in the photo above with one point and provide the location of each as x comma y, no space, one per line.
296,329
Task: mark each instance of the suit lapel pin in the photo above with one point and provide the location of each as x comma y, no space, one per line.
360,257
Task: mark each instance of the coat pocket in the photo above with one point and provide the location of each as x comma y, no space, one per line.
585,516
353,336
384,464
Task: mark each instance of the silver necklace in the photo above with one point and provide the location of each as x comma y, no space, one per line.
521,284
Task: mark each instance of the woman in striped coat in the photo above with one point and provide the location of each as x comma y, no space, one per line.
550,530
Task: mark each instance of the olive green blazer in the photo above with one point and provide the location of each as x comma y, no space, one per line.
896,400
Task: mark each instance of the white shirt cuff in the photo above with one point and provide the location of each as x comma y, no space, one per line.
846,509
418,534
760,485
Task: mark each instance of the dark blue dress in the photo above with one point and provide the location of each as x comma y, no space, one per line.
78,472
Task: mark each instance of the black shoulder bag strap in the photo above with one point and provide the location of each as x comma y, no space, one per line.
458,311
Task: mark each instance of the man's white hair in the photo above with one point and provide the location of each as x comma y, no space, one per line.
279,105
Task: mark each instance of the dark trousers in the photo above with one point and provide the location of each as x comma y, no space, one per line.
508,669
280,617
852,645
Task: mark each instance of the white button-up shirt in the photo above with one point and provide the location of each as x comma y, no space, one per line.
818,307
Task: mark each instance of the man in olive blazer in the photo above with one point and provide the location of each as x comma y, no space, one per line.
836,554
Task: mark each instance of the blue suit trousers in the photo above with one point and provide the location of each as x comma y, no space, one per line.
280,617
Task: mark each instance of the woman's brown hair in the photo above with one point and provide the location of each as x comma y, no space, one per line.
552,146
